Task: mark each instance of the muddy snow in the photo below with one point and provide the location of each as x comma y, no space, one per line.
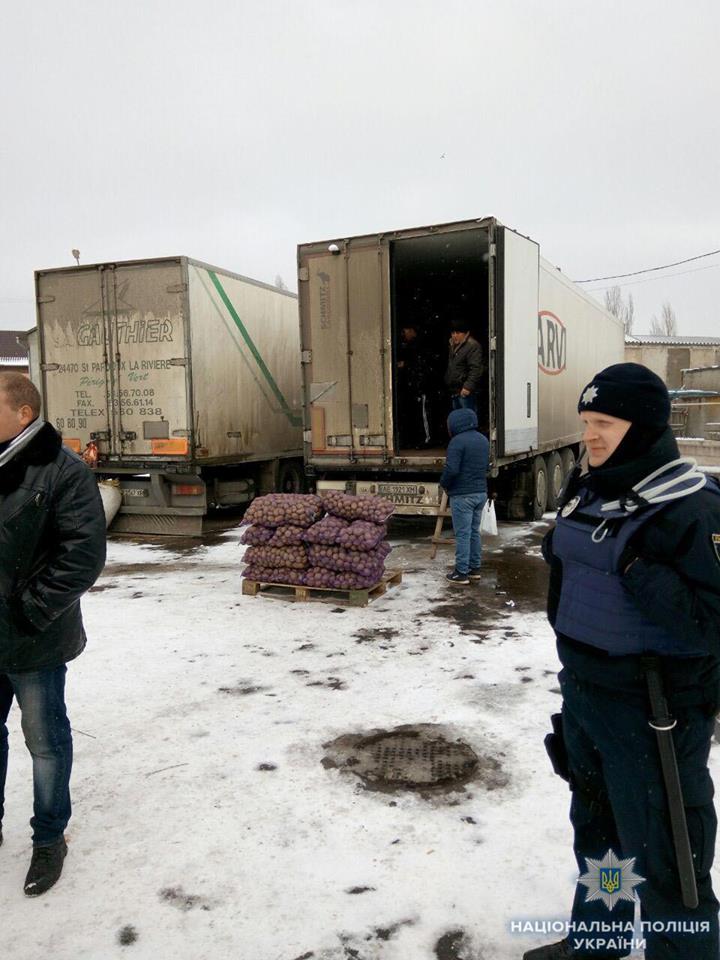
206,825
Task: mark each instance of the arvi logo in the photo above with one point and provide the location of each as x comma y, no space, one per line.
552,343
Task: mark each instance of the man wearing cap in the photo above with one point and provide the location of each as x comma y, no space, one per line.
634,600
465,367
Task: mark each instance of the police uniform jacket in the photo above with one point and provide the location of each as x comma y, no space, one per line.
669,575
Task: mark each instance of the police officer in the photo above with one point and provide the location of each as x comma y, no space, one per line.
635,585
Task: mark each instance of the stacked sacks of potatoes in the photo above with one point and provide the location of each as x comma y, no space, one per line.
337,541
276,550
347,548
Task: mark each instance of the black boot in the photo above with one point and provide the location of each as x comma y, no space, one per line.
553,951
45,868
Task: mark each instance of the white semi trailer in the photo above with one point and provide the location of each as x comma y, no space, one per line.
184,377
542,338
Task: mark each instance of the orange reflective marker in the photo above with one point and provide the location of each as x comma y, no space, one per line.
171,447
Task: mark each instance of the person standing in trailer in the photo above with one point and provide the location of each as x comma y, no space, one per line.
412,392
465,367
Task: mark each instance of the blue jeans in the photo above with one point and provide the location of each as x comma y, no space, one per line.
41,697
466,510
465,403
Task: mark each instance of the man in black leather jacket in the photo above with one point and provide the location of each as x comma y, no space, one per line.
52,549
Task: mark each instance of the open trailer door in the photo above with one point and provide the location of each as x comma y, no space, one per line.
343,295
516,320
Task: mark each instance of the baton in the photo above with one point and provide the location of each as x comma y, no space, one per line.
662,723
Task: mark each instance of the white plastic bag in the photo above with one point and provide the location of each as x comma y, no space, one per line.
488,521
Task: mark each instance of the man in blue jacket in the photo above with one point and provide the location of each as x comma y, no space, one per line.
465,481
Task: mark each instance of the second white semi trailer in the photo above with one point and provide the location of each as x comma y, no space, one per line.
542,338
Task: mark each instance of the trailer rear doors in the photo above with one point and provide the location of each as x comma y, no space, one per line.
113,357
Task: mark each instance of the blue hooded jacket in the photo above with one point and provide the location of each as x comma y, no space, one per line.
468,456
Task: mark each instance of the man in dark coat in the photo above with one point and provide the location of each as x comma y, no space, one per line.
465,481
412,382
52,549
635,590
465,367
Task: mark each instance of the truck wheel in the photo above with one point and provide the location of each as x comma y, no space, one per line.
291,478
555,478
539,488
568,460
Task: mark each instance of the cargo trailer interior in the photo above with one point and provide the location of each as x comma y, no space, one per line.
435,280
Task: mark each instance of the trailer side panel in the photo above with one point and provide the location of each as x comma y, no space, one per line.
245,348
576,338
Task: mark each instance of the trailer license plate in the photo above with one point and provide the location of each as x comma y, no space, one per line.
135,492
403,492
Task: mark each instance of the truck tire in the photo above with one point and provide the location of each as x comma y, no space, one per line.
291,477
556,475
539,488
568,460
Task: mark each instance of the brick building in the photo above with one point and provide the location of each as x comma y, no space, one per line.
668,356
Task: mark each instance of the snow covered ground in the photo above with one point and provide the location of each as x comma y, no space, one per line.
184,847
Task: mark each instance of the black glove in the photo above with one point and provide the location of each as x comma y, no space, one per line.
556,749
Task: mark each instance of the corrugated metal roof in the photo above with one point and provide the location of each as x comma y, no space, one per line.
9,347
672,341
684,392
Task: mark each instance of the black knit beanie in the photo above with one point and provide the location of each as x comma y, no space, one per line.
629,391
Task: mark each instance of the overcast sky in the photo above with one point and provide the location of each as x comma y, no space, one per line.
231,130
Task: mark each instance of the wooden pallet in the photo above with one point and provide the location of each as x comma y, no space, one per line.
350,598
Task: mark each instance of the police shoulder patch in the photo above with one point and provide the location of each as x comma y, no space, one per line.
715,537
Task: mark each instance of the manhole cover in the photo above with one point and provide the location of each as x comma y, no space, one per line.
407,757
396,758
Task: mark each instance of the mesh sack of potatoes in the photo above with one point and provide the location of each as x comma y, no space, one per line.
255,535
280,509
364,562
352,506
274,575
294,557
338,580
287,536
361,535
327,530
